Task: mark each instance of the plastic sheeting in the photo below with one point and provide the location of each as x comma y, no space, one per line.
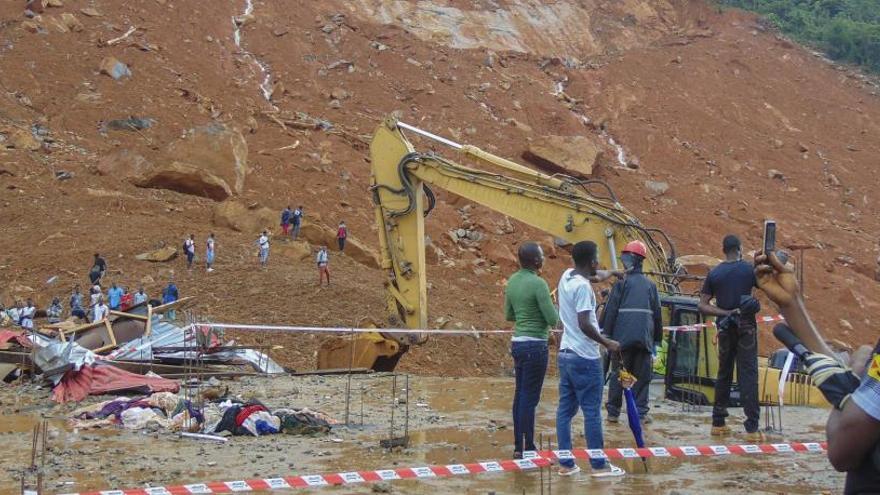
96,379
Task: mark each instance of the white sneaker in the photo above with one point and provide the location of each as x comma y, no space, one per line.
210,270
564,471
609,471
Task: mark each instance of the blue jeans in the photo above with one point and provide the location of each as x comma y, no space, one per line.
529,365
580,384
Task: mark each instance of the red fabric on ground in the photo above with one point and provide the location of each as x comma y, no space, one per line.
247,411
7,335
103,378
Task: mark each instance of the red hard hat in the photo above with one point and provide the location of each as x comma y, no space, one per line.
636,247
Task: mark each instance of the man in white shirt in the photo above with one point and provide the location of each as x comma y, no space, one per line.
580,362
101,311
263,242
140,296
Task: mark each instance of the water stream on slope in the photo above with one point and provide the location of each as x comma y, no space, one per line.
237,23
558,89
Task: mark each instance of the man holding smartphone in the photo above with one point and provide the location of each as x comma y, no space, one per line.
730,284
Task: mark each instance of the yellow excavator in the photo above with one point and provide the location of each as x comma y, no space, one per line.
569,209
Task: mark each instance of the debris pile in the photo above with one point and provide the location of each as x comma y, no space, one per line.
221,417
141,349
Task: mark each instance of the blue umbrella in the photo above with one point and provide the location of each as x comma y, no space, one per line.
632,411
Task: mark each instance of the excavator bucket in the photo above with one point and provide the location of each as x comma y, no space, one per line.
366,350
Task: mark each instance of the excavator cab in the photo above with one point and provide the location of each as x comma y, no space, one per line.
690,364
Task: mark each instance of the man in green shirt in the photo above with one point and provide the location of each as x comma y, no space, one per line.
527,302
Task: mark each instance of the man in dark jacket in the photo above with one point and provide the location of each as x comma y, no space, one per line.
632,318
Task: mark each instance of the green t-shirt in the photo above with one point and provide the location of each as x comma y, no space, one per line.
527,302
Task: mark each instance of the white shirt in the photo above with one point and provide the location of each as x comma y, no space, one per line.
575,296
190,246
264,242
101,312
210,245
140,297
94,298
322,257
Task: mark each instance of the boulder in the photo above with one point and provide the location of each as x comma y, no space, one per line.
297,250
216,149
320,234
166,253
500,254
114,68
185,178
122,163
656,187
570,155
23,139
236,216
72,23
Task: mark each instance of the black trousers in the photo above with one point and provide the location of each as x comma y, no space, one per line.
738,346
639,362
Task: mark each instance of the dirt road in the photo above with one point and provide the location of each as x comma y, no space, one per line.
451,421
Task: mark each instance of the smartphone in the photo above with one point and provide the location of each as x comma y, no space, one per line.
769,236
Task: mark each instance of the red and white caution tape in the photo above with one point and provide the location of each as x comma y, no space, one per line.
344,330
531,460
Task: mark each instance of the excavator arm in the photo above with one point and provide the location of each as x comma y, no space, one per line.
562,206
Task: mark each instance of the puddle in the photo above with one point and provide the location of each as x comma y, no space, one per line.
451,421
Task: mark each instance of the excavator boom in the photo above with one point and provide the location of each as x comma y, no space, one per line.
562,206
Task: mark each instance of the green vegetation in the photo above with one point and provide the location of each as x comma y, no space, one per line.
847,30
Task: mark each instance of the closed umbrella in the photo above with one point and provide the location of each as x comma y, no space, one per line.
627,380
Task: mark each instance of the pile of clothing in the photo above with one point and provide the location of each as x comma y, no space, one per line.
162,410
253,418
224,416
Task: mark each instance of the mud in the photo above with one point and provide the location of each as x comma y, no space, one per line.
450,421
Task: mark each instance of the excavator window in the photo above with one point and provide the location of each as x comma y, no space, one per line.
683,360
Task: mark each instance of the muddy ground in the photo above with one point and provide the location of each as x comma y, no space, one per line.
450,421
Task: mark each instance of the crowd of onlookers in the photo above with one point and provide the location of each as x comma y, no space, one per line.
94,307
99,302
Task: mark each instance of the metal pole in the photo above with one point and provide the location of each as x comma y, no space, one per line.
429,135
348,381
406,421
393,406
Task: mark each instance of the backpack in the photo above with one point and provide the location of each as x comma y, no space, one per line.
185,248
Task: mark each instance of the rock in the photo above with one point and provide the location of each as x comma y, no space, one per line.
23,139
90,12
320,234
71,22
340,94
777,143
114,68
297,250
129,124
237,216
571,155
280,31
633,163
243,20
216,149
775,174
656,188
185,178
519,125
802,148
166,253
30,26
382,487
501,255
122,164
146,279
